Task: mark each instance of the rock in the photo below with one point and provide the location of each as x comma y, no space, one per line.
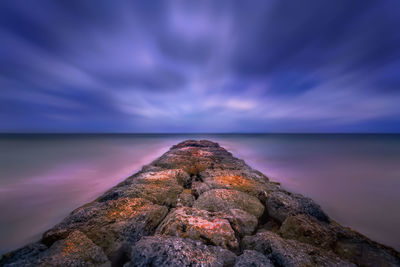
239,180
199,188
281,204
185,199
111,224
224,200
162,187
363,251
207,227
252,258
176,251
242,222
193,206
75,250
26,256
284,252
306,229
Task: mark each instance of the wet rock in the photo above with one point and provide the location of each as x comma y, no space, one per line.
284,252
224,200
207,227
306,229
112,223
176,251
281,204
252,258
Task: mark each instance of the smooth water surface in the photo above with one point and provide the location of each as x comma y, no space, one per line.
355,178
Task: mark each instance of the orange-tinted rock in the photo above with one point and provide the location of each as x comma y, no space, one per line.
220,202
75,250
162,187
224,200
208,227
112,223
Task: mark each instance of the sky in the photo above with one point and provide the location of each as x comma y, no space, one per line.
200,66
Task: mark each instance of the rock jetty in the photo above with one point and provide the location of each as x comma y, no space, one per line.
197,205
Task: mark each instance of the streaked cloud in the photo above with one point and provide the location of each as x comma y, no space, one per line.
208,66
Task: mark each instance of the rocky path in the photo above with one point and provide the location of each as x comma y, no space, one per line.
197,205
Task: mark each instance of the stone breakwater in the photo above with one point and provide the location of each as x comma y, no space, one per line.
197,205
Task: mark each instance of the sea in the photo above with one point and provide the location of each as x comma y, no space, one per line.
43,177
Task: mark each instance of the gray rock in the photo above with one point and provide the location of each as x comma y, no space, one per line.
242,222
175,251
309,230
252,258
281,204
284,252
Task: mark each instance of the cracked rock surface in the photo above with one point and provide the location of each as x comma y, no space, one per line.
197,205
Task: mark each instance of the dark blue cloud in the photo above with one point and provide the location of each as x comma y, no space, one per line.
199,66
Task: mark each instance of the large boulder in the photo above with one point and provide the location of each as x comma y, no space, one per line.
224,200
284,252
252,258
161,187
242,222
75,250
363,251
240,180
281,204
309,230
176,251
111,224
207,227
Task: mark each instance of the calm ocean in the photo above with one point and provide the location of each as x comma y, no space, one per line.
355,178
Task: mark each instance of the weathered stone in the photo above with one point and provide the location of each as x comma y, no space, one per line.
185,199
116,228
112,223
162,187
239,180
25,257
75,250
284,252
281,204
210,228
252,258
363,251
224,200
176,251
199,188
306,229
242,222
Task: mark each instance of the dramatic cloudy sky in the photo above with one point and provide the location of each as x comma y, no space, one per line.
200,66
